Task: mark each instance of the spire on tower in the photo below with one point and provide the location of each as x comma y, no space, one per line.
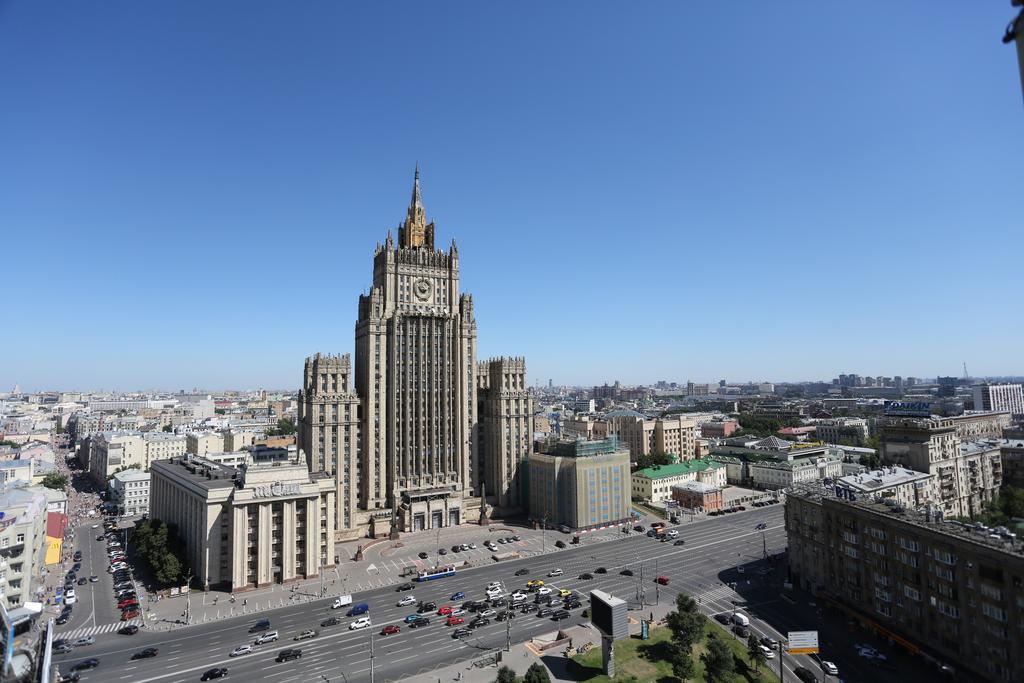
415,231
416,202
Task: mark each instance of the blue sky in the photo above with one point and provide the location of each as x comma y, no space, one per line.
190,193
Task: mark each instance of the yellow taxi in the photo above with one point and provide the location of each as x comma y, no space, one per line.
564,593
534,583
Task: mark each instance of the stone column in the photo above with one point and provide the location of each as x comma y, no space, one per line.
288,534
265,546
239,546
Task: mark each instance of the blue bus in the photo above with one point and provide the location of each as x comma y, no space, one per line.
435,573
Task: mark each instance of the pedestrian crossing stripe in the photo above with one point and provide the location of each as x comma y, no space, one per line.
97,630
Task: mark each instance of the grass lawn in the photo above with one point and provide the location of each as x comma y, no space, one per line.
645,660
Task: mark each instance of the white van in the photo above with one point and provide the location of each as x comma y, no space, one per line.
740,618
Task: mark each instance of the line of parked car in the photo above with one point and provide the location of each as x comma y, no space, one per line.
124,588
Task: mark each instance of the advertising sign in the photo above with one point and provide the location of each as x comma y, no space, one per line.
802,642
908,408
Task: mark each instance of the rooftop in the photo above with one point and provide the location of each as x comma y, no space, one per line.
879,480
695,486
677,469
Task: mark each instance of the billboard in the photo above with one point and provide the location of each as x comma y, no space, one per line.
908,408
802,642
608,614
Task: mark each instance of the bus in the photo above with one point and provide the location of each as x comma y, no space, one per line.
435,573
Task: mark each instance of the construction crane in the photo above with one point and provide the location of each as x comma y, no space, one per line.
966,376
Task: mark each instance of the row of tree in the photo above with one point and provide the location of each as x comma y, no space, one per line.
159,545
537,673
285,426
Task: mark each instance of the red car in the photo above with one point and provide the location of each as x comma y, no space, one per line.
130,614
128,604
663,580
454,621
389,630
444,611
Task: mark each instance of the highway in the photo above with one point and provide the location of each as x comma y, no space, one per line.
712,551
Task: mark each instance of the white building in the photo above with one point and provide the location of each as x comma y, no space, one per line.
655,483
999,397
129,490
907,487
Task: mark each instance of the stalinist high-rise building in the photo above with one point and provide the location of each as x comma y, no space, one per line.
420,463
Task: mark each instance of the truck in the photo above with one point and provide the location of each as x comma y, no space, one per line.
341,601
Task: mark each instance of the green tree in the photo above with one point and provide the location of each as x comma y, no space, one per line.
686,623
651,459
871,461
718,662
506,675
8,442
537,673
168,428
285,426
56,481
757,655
682,664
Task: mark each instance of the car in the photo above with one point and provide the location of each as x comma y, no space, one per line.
444,611
423,556
663,580
487,613
86,664
82,642
830,668
522,572
306,635
99,538
456,548
464,546
509,539
132,614
535,583
671,533
572,604
288,655
679,542
724,618
559,544
560,614
426,607
63,618
502,541
544,590
77,556
741,631
268,637
459,632
454,621
355,610
740,570
148,653
457,596
516,538
62,649
869,652
478,622
93,578
768,641
545,612
742,508
472,605
555,572
805,675
528,607
215,672
626,572
420,621
442,551
407,586
129,630
600,570
585,576
519,596
457,612
407,600
505,614
82,581
361,622
767,652
564,592
70,598
472,546
333,621
409,618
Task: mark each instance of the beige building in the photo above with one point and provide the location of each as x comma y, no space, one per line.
970,426
237,439
111,451
163,446
505,431
270,521
842,429
201,443
947,591
965,475
22,544
655,483
580,484
328,433
675,435
909,488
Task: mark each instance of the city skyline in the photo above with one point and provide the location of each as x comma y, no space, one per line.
177,217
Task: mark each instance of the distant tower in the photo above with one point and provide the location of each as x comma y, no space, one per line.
505,429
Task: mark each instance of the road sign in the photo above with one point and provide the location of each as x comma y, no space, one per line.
802,642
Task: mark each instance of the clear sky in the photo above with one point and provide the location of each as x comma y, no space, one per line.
191,192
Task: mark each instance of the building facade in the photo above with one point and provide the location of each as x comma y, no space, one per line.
22,544
328,432
909,488
201,443
270,521
673,435
113,451
853,430
952,592
505,432
981,425
999,397
129,490
580,484
655,483
698,496
163,446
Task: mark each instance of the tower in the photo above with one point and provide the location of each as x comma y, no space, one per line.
415,367
505,430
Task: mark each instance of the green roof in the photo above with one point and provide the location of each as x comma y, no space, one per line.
677,469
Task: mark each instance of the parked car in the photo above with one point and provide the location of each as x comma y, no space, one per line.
559,544
545,612
586,576
132,614
423,556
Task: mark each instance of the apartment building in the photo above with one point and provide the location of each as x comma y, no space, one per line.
949,591
843,429
129,491
22,543
909,488
642,435
201,443
999,397
656,483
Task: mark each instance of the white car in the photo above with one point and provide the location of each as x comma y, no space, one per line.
472,546
407,600
555,572
70,598
672,533
268,637
361,622
487,613
241,650
494,584
457,612
829,668
544,590
768,652
519,596
493,592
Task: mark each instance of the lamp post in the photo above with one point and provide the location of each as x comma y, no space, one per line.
188,597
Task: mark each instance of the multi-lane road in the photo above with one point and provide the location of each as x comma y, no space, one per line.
713,548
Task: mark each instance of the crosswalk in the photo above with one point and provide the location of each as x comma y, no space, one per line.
97,630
